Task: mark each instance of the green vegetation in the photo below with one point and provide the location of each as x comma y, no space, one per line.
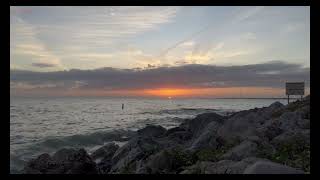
215,154
181,158
294,153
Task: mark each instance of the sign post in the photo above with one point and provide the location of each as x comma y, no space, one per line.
294,88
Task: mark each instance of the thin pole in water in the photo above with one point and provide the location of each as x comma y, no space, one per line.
122,106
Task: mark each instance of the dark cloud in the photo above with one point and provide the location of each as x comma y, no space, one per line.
43,65
271,74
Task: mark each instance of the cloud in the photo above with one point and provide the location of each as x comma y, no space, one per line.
43,65
65,34
187,44
24,42
272,74
247,13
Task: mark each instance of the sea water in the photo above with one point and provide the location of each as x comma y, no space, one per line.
39,125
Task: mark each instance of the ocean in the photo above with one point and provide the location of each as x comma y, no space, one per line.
39,125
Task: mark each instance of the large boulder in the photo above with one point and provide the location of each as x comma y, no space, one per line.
246,123
198,124
207,138
264,167
106,151
65,161
243,150
152,131
136,149
105,154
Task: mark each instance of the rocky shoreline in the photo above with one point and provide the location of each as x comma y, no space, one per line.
269,140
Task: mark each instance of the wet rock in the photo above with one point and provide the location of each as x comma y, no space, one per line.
263,167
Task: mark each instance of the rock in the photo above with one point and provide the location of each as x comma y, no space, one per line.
264,167
75,161
169,161
196,125
159,163
246,123
65,161
41,165
289,121
207,138
221,167
174,130
255,139
292,136
135,150
244,149
180,136
152,131
269,130
275,107
106,152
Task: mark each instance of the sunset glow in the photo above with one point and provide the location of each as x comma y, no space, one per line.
169,92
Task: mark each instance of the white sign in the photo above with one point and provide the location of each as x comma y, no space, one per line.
295,88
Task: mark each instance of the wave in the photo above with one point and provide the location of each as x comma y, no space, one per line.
95,138
185,111
52,144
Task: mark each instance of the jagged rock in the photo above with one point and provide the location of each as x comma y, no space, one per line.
208,137
135,150
198,124
244,149
65,161
152,131
264,167
106,152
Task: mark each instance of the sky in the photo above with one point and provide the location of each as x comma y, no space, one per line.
193,51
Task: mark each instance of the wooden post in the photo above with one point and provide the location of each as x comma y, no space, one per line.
288,98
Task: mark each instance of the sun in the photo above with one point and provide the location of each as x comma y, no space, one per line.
168,92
